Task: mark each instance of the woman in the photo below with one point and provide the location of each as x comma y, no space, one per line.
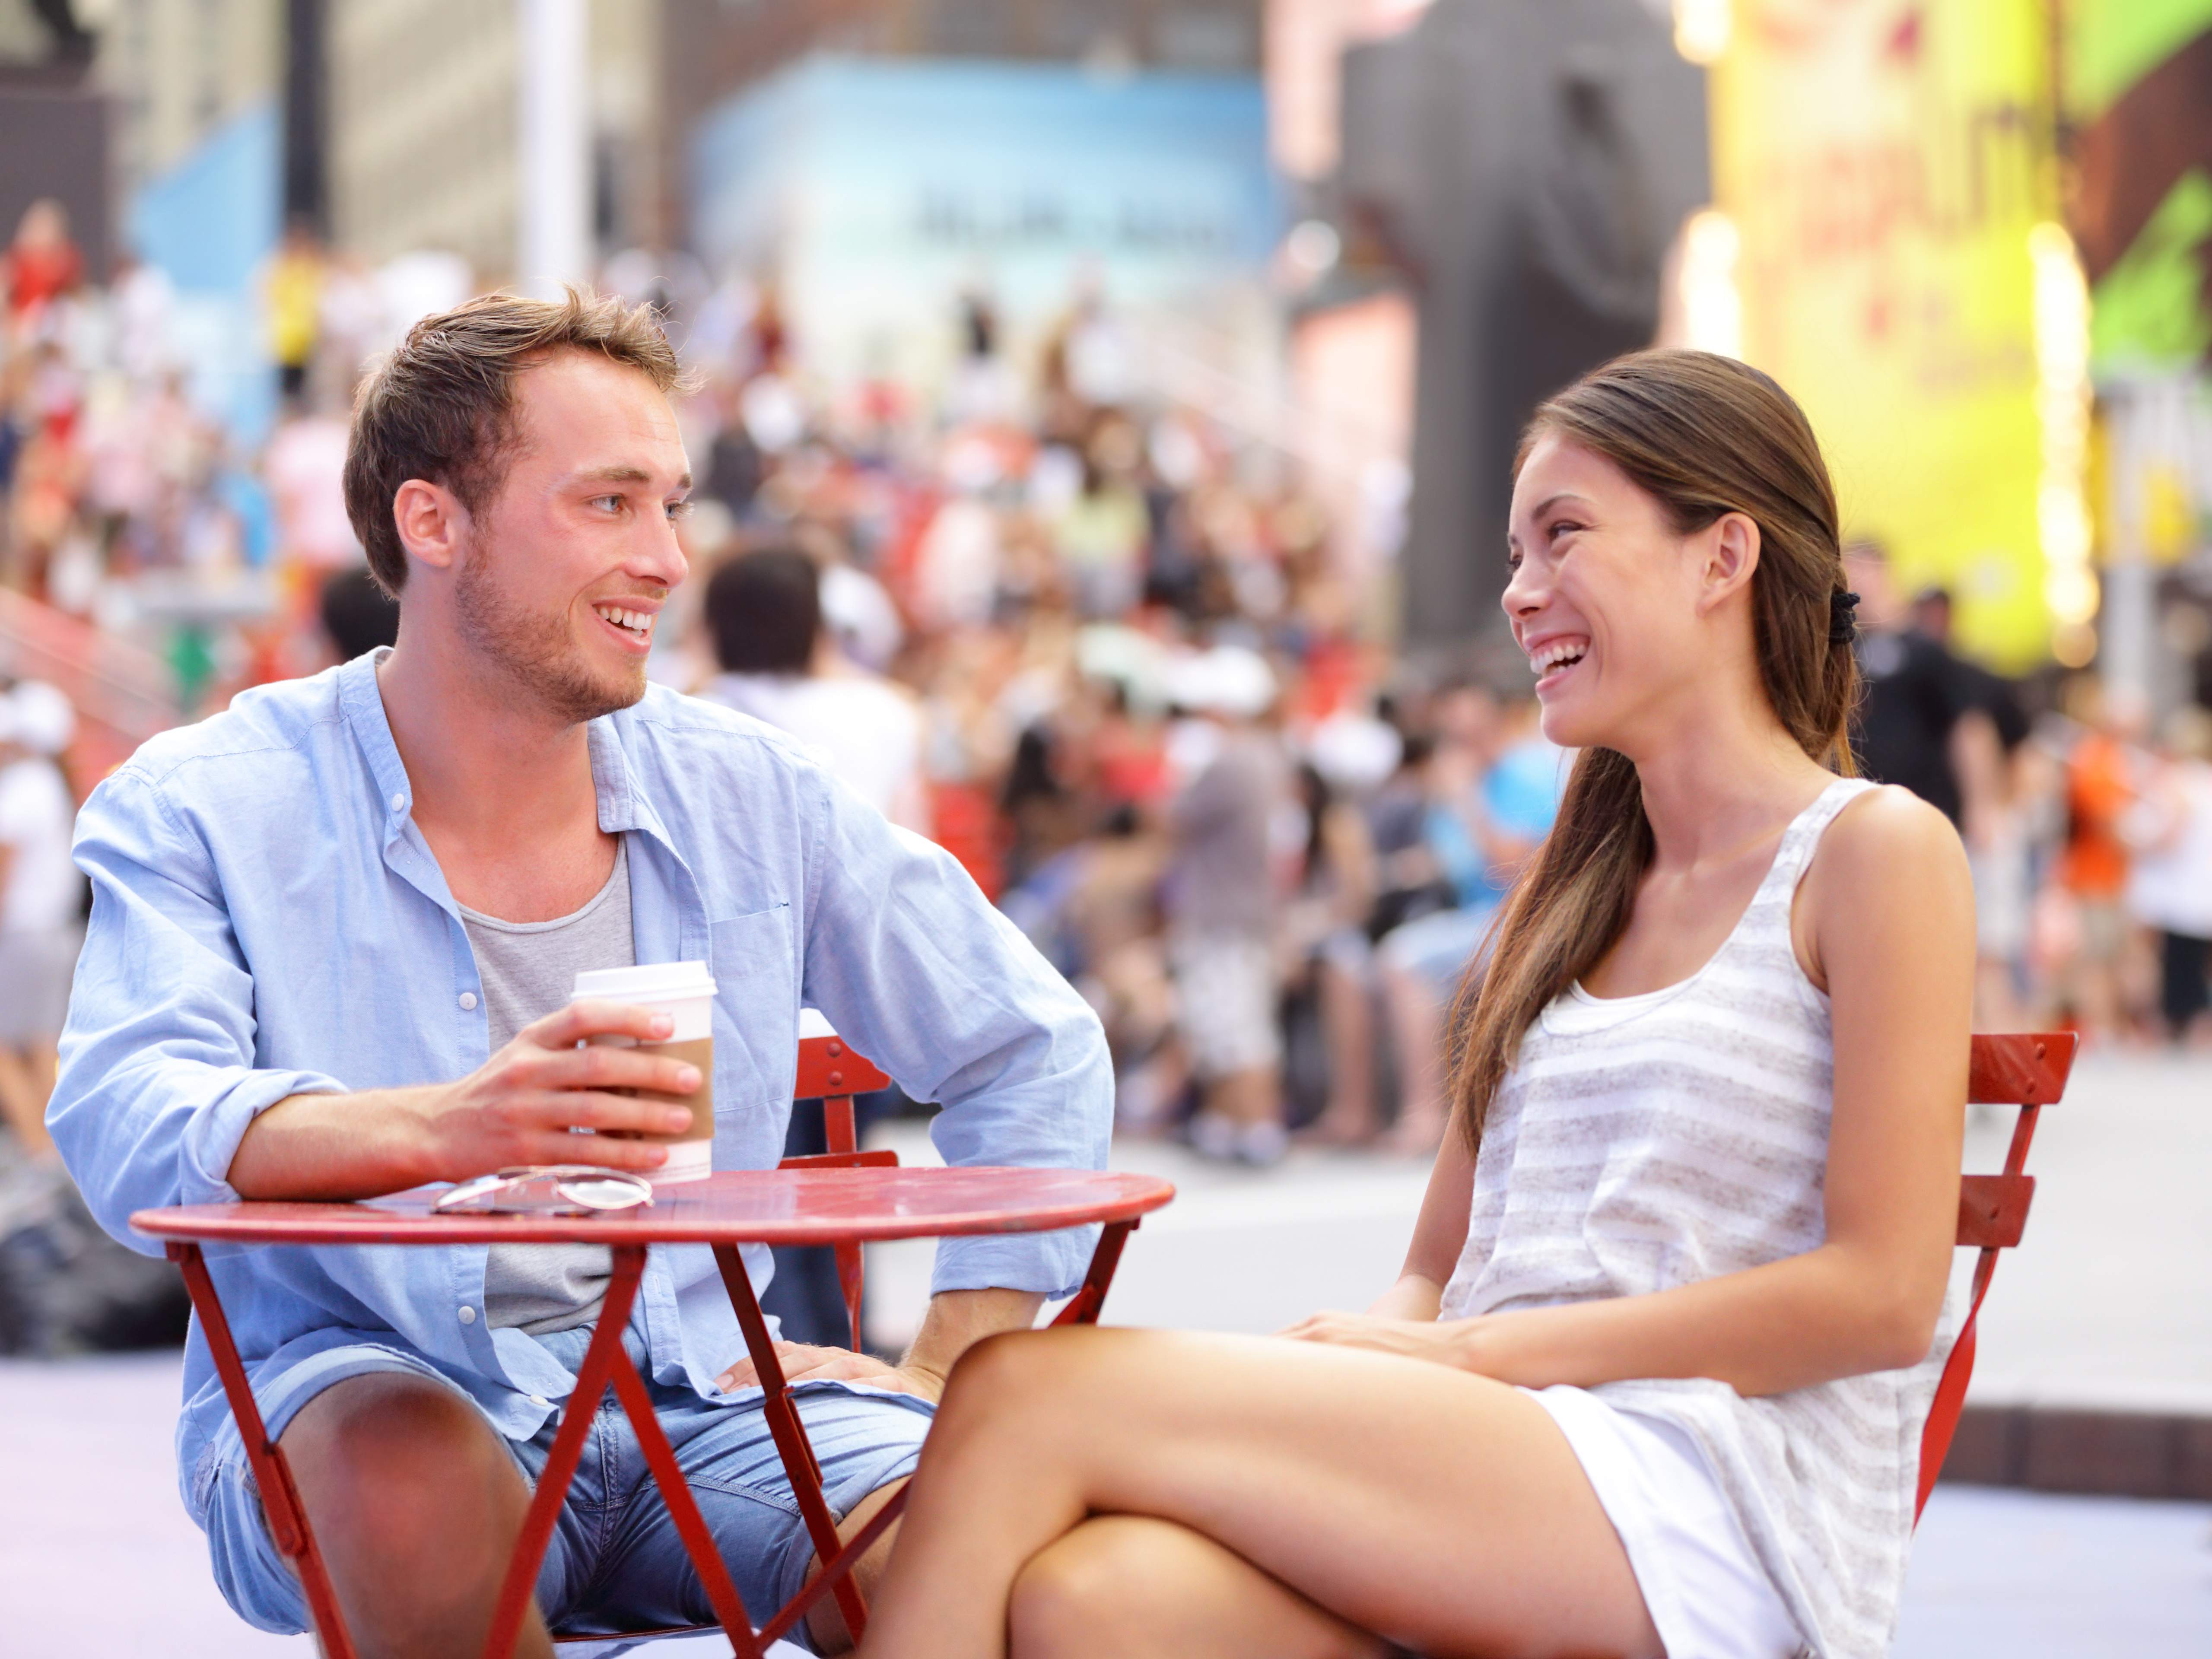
1648,1382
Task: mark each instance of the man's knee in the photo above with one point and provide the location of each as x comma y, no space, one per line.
385,1457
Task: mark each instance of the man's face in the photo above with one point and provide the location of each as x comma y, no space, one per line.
566,569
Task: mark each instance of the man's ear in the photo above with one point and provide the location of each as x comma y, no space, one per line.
431,521
1731,550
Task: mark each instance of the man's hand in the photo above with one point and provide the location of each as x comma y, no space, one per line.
955,1320
802,1363
519,1107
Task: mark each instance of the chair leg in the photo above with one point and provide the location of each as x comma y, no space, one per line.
272,1475
1083,1309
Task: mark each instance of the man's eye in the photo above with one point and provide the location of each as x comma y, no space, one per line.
678,510
610,503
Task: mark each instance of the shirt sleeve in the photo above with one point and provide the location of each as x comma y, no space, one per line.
910,961
157,1083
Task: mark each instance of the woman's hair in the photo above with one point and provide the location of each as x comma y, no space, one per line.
1703,435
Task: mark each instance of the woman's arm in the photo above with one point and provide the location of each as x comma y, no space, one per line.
1438,1237
1887,922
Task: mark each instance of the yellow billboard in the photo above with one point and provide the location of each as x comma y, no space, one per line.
1887,164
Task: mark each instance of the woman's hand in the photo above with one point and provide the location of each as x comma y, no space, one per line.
1414,1339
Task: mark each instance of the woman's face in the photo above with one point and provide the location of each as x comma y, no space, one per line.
1605,598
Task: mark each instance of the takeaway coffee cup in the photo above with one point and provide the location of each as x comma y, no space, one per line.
684,991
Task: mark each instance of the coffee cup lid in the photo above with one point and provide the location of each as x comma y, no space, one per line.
646,983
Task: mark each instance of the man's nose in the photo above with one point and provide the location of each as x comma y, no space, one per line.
660,558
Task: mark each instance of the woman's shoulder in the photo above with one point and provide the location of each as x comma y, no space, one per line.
1886,847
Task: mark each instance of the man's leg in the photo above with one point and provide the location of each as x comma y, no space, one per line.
417,1503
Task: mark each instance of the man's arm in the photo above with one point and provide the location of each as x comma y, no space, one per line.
519,1107
914,968
159,1101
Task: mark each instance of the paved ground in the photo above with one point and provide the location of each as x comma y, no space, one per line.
2108,1304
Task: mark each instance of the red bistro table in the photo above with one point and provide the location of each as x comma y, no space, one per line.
766,1207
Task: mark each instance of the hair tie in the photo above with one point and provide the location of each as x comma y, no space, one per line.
1843,616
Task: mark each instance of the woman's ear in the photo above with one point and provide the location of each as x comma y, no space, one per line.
431,522
1731,555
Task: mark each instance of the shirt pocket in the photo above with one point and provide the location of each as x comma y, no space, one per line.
756,967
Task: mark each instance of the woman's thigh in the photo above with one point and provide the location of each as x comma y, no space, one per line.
1439,1508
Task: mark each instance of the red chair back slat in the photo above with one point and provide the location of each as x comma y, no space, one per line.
2028,1071
830,1071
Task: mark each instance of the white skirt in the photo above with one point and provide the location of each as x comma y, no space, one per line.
1707,1593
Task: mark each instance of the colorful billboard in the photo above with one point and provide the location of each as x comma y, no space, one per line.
1888,169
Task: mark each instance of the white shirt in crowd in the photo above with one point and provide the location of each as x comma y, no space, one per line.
36,818
868,732
2170,876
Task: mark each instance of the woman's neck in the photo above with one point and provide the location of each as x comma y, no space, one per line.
1723,784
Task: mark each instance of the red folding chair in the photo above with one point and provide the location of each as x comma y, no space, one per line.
2028,1071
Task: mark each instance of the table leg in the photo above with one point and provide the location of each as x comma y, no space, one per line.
602,1359
280,1498
790,1442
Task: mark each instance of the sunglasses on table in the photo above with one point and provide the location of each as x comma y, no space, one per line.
550,1189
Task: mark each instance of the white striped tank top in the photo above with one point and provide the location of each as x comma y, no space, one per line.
1640,1143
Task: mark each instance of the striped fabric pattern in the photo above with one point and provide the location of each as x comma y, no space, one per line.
1641,1143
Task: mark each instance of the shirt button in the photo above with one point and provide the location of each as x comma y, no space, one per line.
468,1315
468,1001
539,1400
399,803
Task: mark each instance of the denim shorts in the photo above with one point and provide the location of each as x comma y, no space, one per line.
615,1562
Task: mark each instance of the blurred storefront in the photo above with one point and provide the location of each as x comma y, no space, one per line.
878,198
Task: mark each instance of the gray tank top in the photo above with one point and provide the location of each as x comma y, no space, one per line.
528,970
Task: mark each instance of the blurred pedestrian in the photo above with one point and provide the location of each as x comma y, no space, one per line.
41,903
1222,904
1915,693
357,615
292,298
780,663
40,265
2102,781
2169,833
1493,785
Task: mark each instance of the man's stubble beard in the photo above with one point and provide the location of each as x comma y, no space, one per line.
533,652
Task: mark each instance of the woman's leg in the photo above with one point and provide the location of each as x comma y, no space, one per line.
1438,1508
1074,1601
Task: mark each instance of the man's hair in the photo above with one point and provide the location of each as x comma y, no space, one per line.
441,407
765,611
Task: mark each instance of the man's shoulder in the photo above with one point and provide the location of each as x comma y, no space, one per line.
687,729
261,726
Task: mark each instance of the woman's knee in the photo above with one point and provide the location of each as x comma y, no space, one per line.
1074,1596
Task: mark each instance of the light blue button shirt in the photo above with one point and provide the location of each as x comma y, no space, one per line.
268,920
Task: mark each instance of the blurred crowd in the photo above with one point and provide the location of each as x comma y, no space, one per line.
1102,649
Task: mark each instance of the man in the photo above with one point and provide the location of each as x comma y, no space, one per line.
42,897
782,665
333,932
1221,903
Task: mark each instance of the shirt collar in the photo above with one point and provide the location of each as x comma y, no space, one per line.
620,805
